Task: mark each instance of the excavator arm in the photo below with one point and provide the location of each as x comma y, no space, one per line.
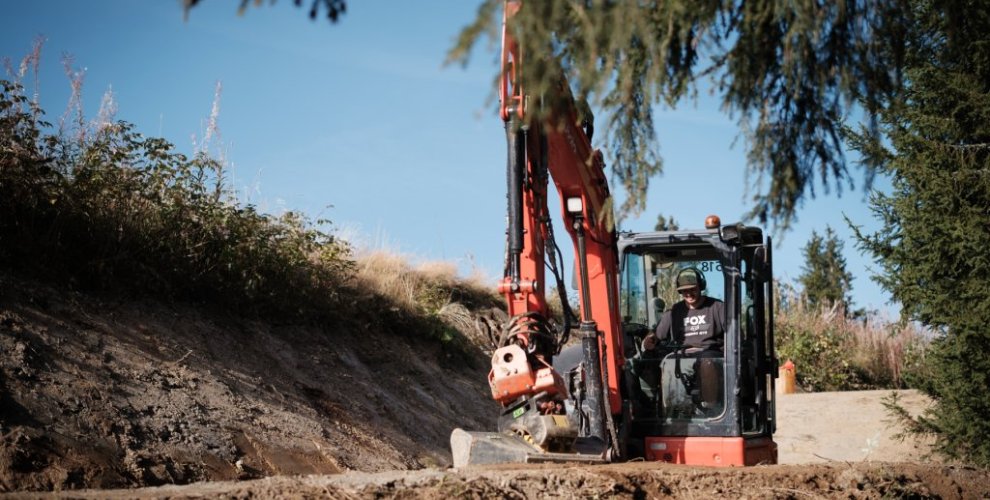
544,145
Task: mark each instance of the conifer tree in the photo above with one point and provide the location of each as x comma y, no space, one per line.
331,9
933,246
824,276
788,71
666,224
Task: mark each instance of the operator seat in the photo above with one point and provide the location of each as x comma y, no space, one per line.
659,305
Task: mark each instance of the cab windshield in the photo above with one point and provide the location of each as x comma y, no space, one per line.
648,281
671,383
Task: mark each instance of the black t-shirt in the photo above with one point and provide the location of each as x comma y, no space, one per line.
701,327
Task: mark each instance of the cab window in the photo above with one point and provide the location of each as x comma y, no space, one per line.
634,296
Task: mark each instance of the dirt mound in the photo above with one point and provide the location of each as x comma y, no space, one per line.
632,480
103,393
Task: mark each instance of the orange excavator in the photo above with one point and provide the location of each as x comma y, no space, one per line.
606,398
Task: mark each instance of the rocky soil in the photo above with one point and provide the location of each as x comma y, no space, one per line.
863,480
111,397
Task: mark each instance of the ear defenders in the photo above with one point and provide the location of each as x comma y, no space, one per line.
689,277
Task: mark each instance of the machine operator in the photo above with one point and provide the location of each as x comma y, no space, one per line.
697,321
697,325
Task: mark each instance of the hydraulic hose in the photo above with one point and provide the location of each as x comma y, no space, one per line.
516,142
589,343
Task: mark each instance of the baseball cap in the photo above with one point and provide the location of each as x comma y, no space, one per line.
687,278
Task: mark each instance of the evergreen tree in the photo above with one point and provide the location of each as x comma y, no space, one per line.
787,70
666,224
332,9
824,276
933,246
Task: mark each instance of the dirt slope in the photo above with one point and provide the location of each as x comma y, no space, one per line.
113,393
118,393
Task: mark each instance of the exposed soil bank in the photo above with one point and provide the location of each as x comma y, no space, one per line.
98,395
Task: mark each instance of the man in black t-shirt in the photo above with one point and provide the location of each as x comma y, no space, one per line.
697,321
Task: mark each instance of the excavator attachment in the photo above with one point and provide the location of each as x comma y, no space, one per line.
480,448
526,436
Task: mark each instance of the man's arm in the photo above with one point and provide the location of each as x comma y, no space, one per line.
720,316
662,331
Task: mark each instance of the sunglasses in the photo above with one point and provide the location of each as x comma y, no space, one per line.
689,291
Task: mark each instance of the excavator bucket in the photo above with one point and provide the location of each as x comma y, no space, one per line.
480,448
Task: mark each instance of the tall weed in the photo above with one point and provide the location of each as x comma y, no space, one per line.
447,306
114,209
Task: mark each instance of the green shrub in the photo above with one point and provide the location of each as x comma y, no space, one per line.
819,355
117,210
833,352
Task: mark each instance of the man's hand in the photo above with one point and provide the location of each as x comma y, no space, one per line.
649,342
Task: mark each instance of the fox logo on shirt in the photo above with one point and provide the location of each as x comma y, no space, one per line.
699,327
695,320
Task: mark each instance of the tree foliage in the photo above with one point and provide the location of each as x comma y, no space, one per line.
333,8
824,277
788,70
666,224
936,222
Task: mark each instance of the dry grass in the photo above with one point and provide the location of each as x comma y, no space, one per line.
430,289
388,275
395,276
886,350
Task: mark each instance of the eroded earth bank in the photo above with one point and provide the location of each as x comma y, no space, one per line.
112,397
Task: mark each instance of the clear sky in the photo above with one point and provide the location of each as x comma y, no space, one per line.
359,122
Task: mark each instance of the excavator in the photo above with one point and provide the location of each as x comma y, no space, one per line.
605,398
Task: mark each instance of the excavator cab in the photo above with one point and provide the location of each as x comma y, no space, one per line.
689,405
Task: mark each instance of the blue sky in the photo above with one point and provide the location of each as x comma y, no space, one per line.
360,123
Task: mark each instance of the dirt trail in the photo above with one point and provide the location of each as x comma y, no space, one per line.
110,393
866,480
832,445
845,427
99,394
